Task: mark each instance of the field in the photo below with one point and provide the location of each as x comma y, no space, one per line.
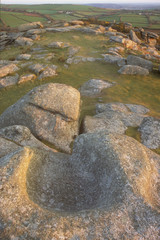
149,19
14,19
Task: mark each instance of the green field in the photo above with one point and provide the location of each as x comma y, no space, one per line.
67,12
13,19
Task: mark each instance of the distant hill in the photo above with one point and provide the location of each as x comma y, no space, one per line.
129,6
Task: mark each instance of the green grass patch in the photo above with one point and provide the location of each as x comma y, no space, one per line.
110,18
142,90
13,19
63,17
134,133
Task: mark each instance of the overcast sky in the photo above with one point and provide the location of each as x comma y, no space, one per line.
76,1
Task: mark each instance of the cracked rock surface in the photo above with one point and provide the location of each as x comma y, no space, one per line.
50,111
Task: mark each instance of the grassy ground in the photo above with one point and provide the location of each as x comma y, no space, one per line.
142,90
129,89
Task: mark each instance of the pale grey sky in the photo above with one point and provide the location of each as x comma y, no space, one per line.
76,1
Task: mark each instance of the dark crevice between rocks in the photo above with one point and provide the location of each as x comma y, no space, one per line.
81,127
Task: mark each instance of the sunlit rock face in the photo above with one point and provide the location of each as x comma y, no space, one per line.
102,171
109,180
50,111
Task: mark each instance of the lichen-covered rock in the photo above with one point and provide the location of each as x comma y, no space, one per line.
133,70
121,62
49,71
6,147
141,62
34,31
8,69
23,41
50,111
93,87
20,136
129,44
79,59
77,22
37,68
8,81
114,118
111,59
118,39
23,57
150,132
56,45
73,50
28,26
61,29
26,78
134,37
112,178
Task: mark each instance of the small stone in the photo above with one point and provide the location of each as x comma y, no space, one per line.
23,57
27,77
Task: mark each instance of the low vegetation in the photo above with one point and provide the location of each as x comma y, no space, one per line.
145,18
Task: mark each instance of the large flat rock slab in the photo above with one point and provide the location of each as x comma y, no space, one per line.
133,70
8,69
141,62
94,87
109,185
114,118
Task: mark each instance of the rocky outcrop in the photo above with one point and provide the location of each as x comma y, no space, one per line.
28,26
77,22
72,51
49,71
118,39
94,87
26,78
61,29
20,136
121,62
31,32
23,41
50,111
43,71
37,68
79,59
134,37
44,56
133,70
8,38
129,44
23,57
138,61
56,45
112,178
111,58
150,132
114,118
8,69
9,81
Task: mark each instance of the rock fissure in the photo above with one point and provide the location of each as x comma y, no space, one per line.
64,117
